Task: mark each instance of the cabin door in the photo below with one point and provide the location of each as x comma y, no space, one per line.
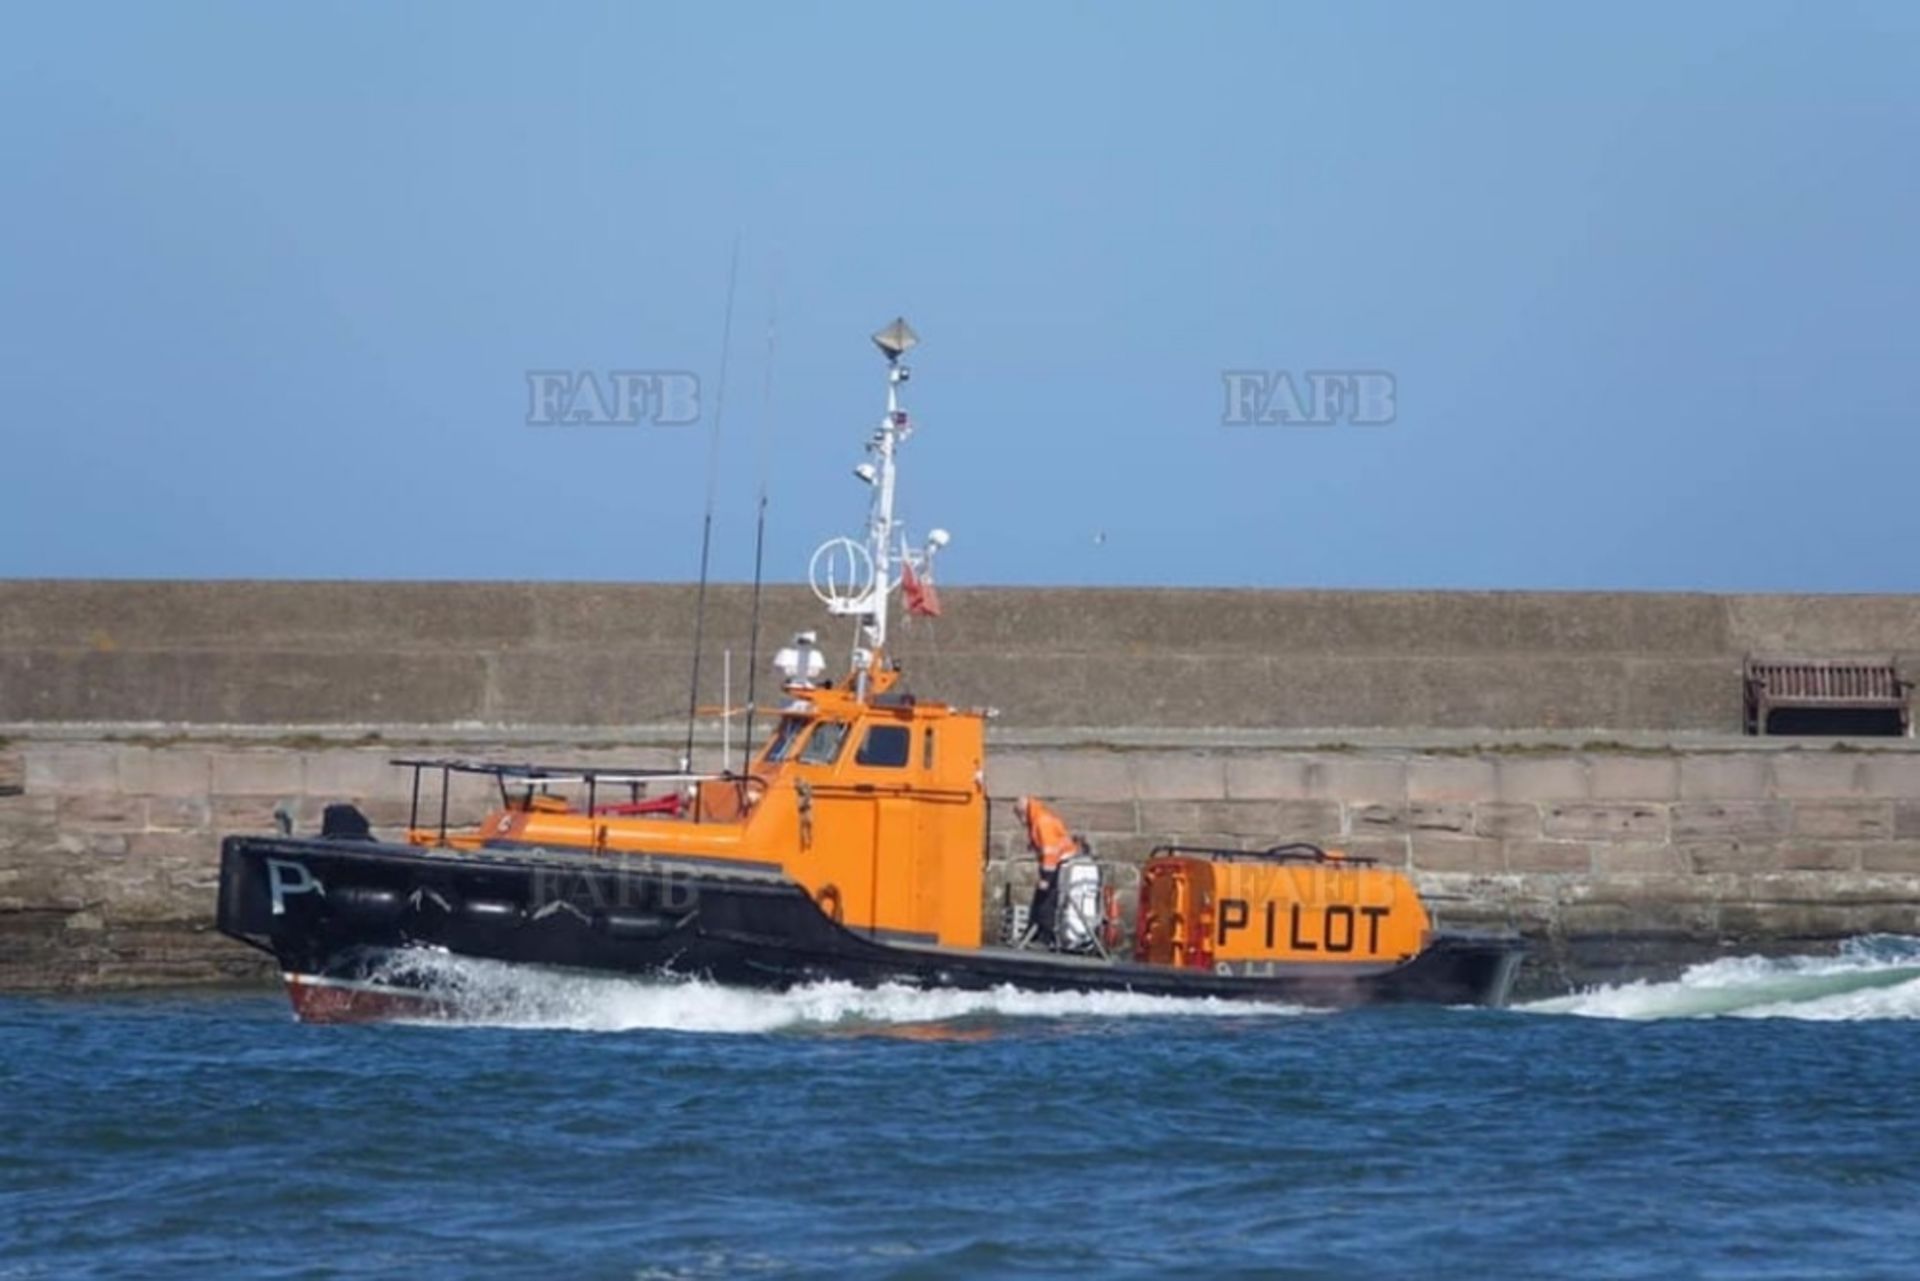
897,887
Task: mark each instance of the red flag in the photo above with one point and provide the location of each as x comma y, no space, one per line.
921,598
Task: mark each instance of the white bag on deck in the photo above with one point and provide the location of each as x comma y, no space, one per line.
1078,905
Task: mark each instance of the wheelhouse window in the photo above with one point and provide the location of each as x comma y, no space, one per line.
824,744
886,745
784,738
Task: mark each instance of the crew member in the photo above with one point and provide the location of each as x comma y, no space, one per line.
1051,842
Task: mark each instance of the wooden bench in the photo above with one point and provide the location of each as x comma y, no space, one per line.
1837,696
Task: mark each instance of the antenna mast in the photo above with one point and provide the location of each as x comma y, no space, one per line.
895,341
760,520
706,522
857,578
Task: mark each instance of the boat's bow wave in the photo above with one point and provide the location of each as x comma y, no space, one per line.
490,993
1871,978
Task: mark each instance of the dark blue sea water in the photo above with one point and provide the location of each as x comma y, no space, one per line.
1751,1119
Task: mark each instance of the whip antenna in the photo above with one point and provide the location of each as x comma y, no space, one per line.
760,523
706,524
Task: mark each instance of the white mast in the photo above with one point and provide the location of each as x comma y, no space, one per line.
857,578
895,341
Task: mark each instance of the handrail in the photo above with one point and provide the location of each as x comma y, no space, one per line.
857,790
1290,852
552,773
531,776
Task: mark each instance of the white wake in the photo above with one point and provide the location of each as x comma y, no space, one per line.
494,994
1876,977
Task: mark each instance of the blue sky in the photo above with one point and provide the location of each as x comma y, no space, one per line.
1645,276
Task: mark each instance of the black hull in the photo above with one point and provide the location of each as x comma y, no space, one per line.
336,912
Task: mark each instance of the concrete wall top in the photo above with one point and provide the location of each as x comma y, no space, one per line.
607,654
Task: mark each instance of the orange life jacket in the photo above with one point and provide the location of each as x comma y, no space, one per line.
1047,834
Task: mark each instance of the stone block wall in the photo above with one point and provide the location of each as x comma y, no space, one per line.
148,718
1614,860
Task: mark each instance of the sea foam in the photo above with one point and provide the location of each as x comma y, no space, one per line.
1876,977
495,994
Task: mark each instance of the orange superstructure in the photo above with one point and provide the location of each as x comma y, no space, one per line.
874,802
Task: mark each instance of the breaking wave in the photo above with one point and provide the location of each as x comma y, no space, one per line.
494,994
1876,977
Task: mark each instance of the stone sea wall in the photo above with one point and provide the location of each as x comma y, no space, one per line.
1615,859
1566,763
615,655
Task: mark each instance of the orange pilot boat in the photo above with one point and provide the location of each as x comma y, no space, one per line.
851,847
